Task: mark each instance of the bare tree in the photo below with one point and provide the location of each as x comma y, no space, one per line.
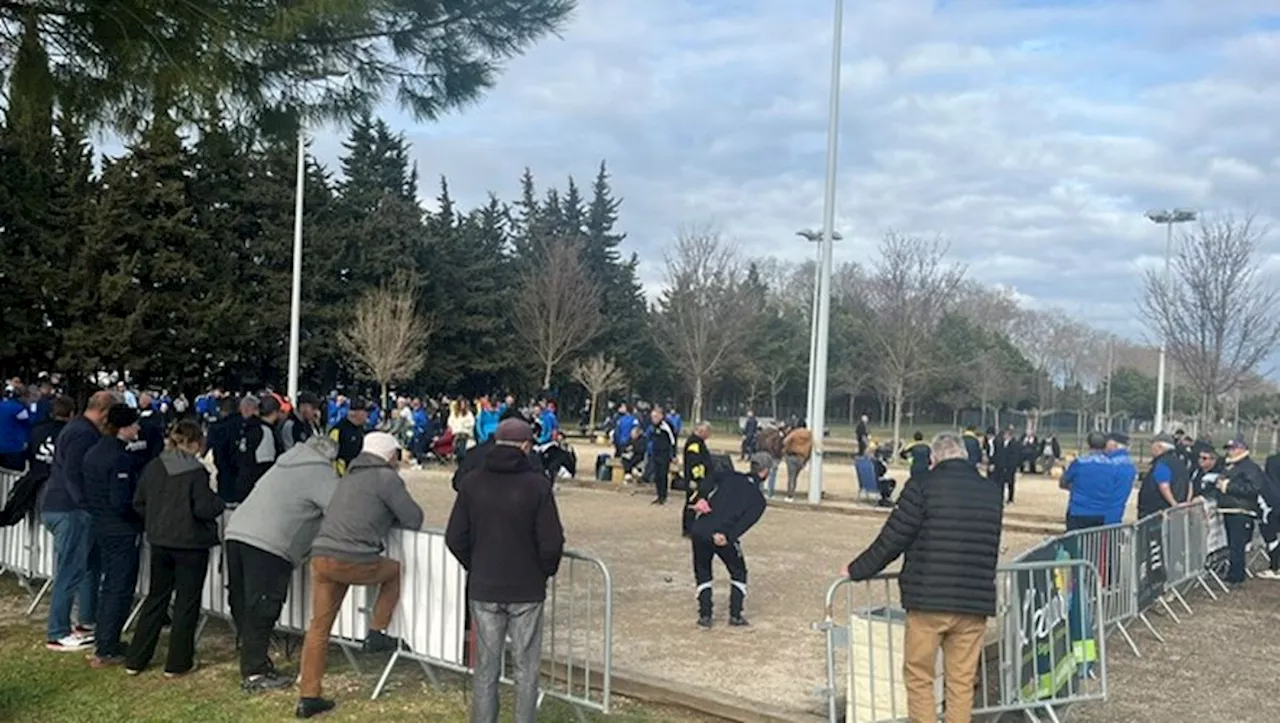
702,314
1217,312
557,308
600,375
909,292
387,337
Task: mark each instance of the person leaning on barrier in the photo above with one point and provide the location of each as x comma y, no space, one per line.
730,504
369,500
697,468
1238,491
1208,467
1095,484
1117,450
267,536
1166,483
505,531
1243,478
947,527
180,515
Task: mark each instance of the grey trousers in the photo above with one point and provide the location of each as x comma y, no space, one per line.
794,465
495,623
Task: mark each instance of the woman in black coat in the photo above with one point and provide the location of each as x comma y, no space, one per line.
180,513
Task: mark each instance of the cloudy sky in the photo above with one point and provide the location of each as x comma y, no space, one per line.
1032,134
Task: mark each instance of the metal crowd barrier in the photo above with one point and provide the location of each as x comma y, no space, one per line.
431,621
577,645
1044,650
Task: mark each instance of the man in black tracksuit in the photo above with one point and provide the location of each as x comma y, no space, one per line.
697,468
973,446
348,434
224,434
947,526
664,449
1008,455
258,446
731,503
919,454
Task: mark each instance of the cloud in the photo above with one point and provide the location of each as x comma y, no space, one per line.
1031,134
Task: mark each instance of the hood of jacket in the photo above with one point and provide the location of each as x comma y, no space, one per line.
505,459
302,456
367,461
176,463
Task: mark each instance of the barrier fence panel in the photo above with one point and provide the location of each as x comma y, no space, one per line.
1150,566
1215,545
1184,554
15,540
1110,550
577,645
1043,650
577,639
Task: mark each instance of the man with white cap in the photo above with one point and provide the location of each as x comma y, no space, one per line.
368,502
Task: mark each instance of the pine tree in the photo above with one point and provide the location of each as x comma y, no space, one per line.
144,249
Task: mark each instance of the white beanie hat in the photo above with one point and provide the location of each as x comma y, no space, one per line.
381,444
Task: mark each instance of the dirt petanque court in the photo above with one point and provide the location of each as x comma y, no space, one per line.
793,554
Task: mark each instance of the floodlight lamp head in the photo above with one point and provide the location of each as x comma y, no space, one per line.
1183,214
1158,216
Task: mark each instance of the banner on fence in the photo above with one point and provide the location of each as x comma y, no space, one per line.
1150,560
1054,630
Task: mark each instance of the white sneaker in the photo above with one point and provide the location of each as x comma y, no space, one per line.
69,644
791,499
1269,575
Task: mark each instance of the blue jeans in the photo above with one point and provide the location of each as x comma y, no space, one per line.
772,482
75,571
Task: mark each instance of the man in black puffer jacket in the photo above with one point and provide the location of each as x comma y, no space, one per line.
947,524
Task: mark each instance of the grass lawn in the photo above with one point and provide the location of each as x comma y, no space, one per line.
38,685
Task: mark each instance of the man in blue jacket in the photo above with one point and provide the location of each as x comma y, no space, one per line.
15,427
1099,487
111,477
65,514
622,430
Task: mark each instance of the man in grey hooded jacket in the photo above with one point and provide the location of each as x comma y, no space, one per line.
267,536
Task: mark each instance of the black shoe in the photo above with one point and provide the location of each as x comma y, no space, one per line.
266,681
312,707
705,622
737,621
379,642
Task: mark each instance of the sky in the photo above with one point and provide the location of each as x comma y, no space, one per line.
1030,134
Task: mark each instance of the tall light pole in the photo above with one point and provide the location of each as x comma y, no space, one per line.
1168,218
816,238
295,299
818,420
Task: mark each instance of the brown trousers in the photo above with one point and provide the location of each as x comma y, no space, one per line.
960,638
330,579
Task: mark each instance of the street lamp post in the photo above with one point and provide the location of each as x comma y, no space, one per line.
818,421
295,299
814,237
1168,218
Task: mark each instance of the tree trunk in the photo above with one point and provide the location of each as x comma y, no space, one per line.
773,404
899,395
591,414
546,377
852,400
383,399
955,418
696,411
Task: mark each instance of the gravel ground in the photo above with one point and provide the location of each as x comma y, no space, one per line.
1219,665
792,557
